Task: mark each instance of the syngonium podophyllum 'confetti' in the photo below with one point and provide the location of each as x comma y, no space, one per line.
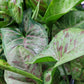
66,46
19,49
12,8
4,20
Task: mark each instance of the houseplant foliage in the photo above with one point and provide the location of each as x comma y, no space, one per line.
42,40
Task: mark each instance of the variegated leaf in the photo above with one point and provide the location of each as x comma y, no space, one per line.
21,48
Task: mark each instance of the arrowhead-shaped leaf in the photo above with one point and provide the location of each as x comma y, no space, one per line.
20,48
65,46
58,8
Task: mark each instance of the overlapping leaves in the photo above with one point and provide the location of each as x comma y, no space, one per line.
65,46
20,48
58,8
12,8
73,19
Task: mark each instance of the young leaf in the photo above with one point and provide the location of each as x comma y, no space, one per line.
20,48
58,8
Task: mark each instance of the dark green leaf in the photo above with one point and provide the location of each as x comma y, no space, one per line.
48,76
73,19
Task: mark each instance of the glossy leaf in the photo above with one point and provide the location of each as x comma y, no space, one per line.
20,48
58,8
73,19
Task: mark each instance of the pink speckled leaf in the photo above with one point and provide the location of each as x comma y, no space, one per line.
19,49
16,10
51,79
67,45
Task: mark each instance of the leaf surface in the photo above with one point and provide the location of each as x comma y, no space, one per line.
73,19
20,48
64,47
15,10
58,8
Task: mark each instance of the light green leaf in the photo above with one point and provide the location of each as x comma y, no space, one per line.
58,8
4,5
19,48
67,45
15,10
5,66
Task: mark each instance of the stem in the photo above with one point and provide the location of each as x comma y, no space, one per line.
65,74
24,4
4,65
81,72
50,31
35,14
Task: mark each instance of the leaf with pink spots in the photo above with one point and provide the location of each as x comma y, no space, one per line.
48,78
21,48
15,10
64,47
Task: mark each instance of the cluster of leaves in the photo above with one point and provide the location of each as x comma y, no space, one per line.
42,41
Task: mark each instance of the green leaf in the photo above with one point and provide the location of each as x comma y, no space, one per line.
15,9
48,76
4,5
73,19
65,46
4,65
19,48
77,70
43,4
5,20
58,8
79,82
